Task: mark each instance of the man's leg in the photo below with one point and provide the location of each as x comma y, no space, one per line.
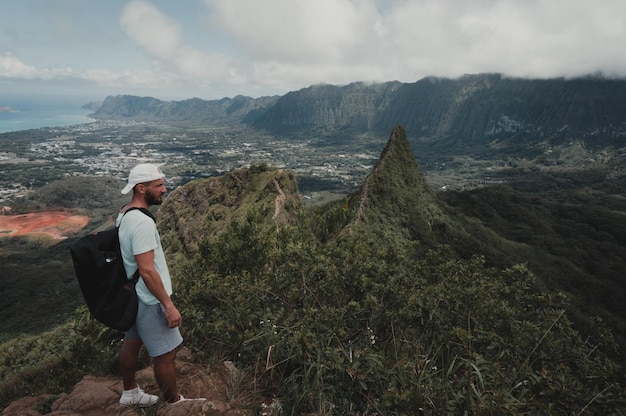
165,374
129,356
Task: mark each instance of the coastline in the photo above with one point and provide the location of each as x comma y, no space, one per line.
18,120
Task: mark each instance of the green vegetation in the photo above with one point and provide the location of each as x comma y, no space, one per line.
387,301
39,288
360,324
97,196
364,325
575,242
53,361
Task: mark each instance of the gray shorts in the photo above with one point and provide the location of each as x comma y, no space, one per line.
151,327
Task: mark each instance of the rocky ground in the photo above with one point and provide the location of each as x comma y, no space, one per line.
98,396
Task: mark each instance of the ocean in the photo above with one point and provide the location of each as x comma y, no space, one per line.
34,118
29,110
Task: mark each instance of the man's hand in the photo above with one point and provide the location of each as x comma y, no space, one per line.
173,316
151,278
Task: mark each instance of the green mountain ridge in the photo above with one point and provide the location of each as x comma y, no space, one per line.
379,257
396,192
203,208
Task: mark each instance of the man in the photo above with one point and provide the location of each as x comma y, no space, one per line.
158,318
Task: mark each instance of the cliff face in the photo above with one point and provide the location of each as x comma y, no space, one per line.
329,107
472,110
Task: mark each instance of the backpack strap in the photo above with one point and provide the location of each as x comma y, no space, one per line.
135,277
144,210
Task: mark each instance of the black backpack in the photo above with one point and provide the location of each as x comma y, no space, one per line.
109,294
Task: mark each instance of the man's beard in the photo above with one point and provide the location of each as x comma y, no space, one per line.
154,199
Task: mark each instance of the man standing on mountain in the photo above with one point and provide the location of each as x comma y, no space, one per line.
158,319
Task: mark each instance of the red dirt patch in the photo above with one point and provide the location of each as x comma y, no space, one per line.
58,225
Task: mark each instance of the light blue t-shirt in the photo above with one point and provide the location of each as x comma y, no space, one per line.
138,234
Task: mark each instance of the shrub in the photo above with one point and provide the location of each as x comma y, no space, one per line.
362,324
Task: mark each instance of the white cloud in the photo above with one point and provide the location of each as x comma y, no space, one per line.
539,38
161,38
134,78
293,31
264,47
302,42
153,31
292,44
12,67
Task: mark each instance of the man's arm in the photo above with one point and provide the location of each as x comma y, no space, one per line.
152,279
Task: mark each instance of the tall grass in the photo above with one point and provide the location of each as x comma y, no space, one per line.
364,326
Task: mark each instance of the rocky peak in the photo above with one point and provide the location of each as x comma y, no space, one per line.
396,191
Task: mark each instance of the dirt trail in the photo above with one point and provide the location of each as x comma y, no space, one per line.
280,199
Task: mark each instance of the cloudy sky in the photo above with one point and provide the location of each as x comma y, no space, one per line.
177,49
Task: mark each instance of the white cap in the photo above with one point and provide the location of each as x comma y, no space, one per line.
144,172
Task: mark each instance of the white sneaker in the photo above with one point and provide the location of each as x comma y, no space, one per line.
181,399
138,397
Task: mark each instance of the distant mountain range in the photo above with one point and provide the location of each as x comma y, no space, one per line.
485,109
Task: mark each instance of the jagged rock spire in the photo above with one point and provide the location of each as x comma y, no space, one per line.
396,192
